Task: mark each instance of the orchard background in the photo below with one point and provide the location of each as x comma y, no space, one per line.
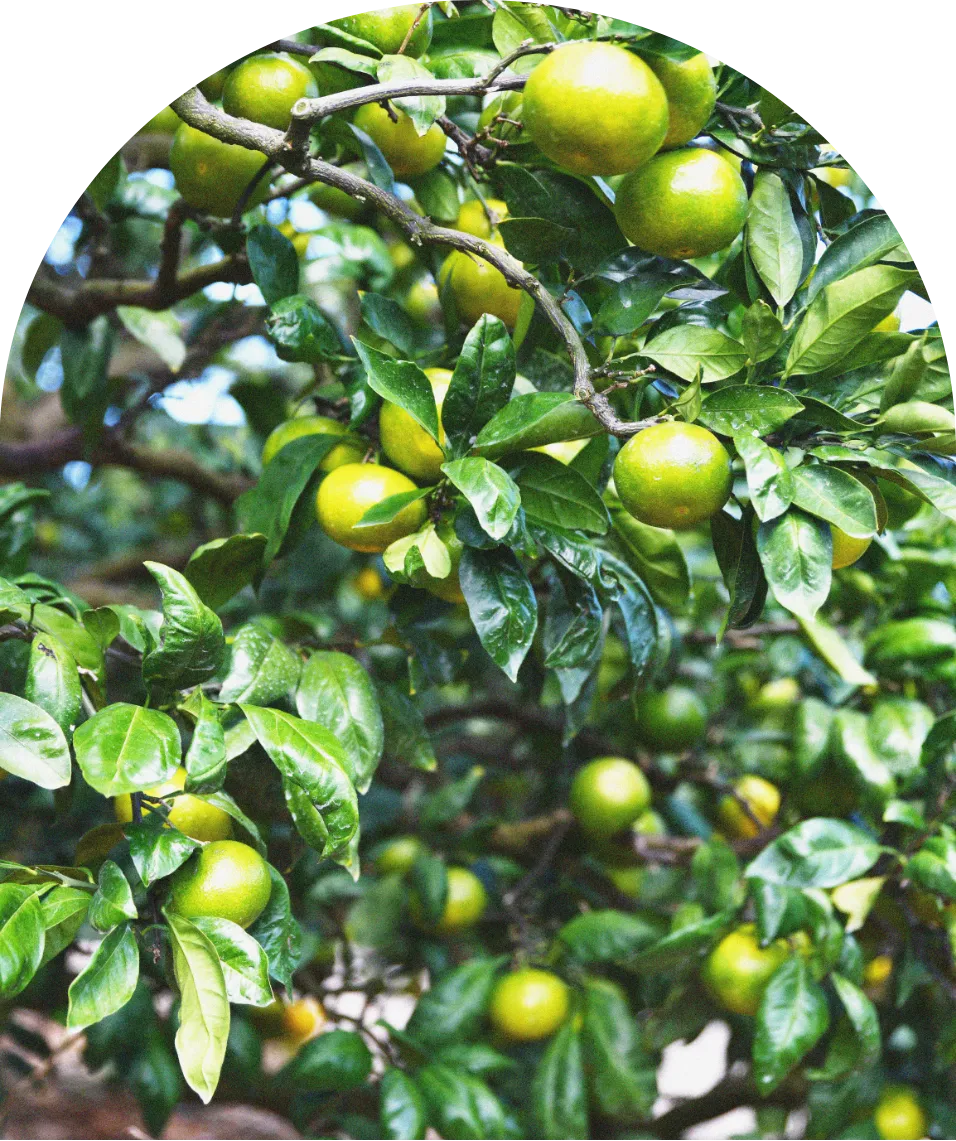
785,718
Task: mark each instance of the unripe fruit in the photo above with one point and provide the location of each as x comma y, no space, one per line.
264,88
478,288
595,108
738,969
212,175
464,906
347,493
608,794
847,548
226,880
390,28
673,475
481,218
763,800
528,1004
350,451
671,720
408,153
682,204
398,855
691,94
191,815
405,441
899,1115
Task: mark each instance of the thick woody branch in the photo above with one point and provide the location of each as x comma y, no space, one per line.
37,456
195,109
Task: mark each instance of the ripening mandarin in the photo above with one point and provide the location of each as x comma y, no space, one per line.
211,175
264,88
350,451
691,94
408,153
347,493
405,441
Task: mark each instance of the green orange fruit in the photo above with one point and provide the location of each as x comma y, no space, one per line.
691,91
408,153
595,108
465,904
212,175
347,493
335,201
673,475
682,204
672,719
528,1005
398,855
847,548
479,287
350,451
405,441
607,795
481,218
165,122
264,88
391,28
738,969
226,880
192,815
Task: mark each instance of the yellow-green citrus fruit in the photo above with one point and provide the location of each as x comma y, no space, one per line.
777,696
481,218
847,548
918,416
528,1004
212,175
335,201
350,451
387,29
899,1115
348,492
398,855
302,1019
595,108
192,815
264,88
478,288
406,443
837,176
465,905
564,451
212,86
682,204
889,324
369,585
224,879
331,79
421,302
691,94
672,719
408,153
165,122
650,823
608,794
763,799
738,969
629,881
673,475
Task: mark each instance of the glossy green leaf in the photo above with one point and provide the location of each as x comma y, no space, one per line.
455,1005
773,240
460,1104
203,1007
423,110
107,982
273,261
403,1111
206,758
32,744
621,1075
64,912
558,496
501,603
769,480
156,848
221,568
834,495
605,936
480,385
53,682
125,748
403,383
301,332
406,738
113,902
160,332
191,638
687,350
245,968
278,933
534,419
308,755
747,409
861,246
489,489
262,669
740,566
761,332
21,937
337,1060
818,852
336,691
559,1090
795,552
792,1018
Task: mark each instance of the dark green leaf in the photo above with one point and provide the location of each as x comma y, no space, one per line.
402,383
480,385
689,350
191,638
748,409
86,354
113,901
273,261
278,933
502,605
338,1060
773,240
559,1093
156,848
622,1077
792,1018
245,968
460,1104
388,320
739,562
262,669
816,853
455,1006
222,567
834,495
301,332
558,496
795,552
769,480
862,245
402,1112
21,937
606,936
534,419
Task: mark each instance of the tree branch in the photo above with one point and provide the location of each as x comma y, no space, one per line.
731,1093
37,456
288,150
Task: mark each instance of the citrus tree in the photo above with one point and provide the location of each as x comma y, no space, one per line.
478,600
